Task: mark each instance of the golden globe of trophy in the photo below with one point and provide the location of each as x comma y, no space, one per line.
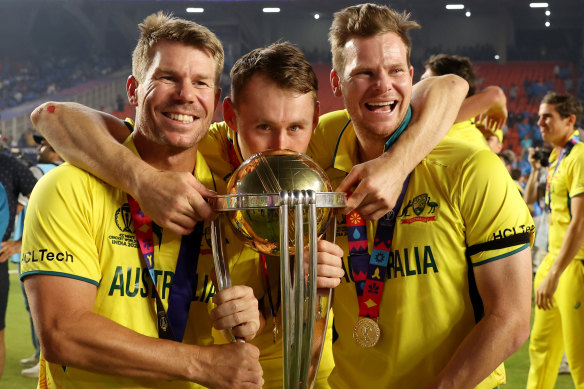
263,194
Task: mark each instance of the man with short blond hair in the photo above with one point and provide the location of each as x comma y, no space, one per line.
117,301
436,292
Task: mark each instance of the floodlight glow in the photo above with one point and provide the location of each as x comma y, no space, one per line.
547,24
454,6
316,16
497,57
548,13
467,14
195,10
538,5
271,10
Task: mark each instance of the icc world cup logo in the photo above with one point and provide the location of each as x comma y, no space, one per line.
124,219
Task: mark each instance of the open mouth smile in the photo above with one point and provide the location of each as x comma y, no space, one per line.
180,117
382,106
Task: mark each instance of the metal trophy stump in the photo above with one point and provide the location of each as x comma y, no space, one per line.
263,194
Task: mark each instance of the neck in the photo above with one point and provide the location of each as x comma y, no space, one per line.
368,149
164,157
560,145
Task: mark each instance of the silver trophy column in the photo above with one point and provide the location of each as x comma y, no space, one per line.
271,212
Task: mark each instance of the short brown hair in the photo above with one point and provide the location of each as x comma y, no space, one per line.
366,20
160,26
566,105
282,63
441,64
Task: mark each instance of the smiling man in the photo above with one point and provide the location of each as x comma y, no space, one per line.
436,293
102,279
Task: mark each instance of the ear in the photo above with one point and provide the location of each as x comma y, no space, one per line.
411,72
316,115
572,121
336,83
229,113
132,90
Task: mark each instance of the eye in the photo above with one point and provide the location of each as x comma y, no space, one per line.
263,127
295,128
201,84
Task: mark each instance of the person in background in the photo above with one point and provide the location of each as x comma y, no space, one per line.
17,180
483,113
559,281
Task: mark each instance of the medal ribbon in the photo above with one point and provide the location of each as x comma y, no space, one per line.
181,292
369,271
565,151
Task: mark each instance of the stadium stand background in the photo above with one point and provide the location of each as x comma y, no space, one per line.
79,50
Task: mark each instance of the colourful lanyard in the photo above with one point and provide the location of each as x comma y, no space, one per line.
565,151
181,293
370,270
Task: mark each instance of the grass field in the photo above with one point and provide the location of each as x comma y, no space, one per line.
18,346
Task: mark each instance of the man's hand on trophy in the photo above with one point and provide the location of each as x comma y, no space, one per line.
329,268
237,309
232,365
377,187
174,200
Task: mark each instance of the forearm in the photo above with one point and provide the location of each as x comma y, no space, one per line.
491,97
83,137
435,102
95,343
531,191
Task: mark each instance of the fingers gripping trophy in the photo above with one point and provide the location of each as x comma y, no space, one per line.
279,202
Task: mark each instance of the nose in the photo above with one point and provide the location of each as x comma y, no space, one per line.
540,121
280,140
383,82
186,91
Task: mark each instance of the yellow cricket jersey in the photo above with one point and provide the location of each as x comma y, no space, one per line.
248,270
79,227
467,131
458,196
565,183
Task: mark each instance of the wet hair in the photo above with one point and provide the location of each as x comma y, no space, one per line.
282,63
367,20
159,26
565,104
441,64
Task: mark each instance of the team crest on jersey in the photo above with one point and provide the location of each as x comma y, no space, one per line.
423,208
123,219
127,235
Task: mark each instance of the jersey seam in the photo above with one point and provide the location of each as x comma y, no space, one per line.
505,255
59,274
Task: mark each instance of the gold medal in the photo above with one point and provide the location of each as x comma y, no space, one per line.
366,332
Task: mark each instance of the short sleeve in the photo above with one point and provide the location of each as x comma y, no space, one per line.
497,220
575,172
58,232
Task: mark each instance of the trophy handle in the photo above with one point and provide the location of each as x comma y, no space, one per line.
220,262
331,236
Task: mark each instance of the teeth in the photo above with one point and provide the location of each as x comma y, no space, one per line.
375,106
181,117
380,104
